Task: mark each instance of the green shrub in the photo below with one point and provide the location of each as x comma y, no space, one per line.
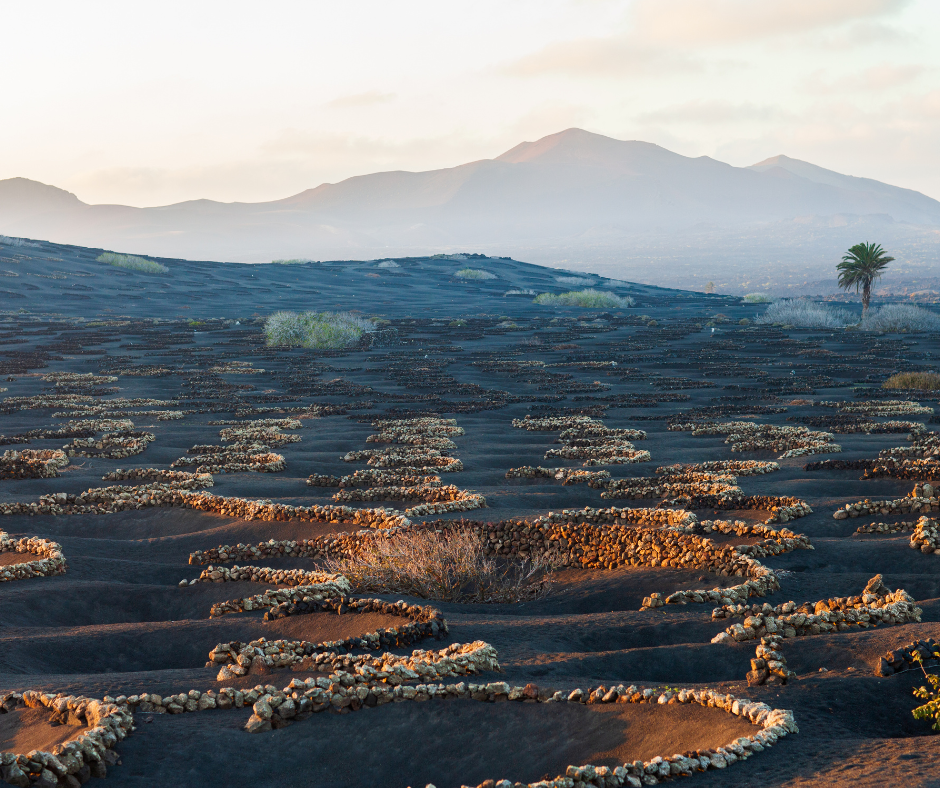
133,262
757,298
292,261
588,299
319,330
922,381
474,273
931,709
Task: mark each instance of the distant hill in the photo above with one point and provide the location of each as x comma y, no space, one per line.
43,277
574,198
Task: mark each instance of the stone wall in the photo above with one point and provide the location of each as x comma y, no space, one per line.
51,558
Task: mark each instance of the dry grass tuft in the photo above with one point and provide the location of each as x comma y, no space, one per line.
447,566
474,273
587,299
922,381
133,262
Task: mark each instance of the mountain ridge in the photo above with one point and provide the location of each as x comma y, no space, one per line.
539,195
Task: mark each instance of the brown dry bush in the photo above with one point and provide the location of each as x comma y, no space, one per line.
448,566
924,381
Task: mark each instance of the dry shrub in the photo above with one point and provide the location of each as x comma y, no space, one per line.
922,381
447,566
803,313
900,318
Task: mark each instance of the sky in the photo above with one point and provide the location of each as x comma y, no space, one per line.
150,103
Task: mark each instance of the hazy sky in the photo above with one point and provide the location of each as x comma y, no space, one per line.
148,103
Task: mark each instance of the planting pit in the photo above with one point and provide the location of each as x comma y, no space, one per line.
447,743
25,729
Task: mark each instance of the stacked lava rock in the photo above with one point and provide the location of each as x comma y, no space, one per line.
437,499
924,445
876,605
913,656
586,438
690,485
427,433
159,475
76,761
407,460
51,558
775,541
373,478
266,510
32,464
926,536
567,476
339,545
887,407
769,666
886,467
730,467
111,445
910,504
749,436
239,659
249,449
121,408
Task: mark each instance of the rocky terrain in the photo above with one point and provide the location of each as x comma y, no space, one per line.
727,607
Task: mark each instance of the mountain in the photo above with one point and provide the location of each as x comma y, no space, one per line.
568,196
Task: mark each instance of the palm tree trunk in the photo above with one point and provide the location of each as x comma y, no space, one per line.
866,297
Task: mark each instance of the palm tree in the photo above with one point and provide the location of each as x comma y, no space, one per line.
861,266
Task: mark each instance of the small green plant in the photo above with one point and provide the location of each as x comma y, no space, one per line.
757,298
931,709
292,261
318,330
474,273
587,299
133,262
922,381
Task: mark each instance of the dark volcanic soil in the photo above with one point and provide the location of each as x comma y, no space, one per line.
118,622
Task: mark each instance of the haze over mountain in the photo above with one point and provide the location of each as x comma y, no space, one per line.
623,208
